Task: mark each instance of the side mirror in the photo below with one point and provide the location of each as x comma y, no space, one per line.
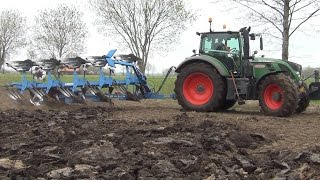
261,43
197,33
255,52
194,51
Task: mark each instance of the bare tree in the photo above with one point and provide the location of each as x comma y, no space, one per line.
143,24
12,33
32,52
283,16
60,32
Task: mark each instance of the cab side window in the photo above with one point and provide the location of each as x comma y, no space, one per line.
207,44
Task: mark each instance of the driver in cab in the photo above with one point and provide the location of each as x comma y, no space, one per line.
222,46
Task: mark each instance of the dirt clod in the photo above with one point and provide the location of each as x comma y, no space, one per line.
154,140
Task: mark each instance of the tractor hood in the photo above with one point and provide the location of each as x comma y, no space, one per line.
296,67
261,59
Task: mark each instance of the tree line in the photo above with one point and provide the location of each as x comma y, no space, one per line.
59,32
143,26
56,33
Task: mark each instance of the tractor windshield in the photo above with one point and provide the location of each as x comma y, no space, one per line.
220,42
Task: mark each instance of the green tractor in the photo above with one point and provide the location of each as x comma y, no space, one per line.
224,72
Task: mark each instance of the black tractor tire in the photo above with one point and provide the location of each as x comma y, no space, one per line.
199,87
278,95
304,100
228,104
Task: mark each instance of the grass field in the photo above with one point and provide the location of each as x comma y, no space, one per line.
154,82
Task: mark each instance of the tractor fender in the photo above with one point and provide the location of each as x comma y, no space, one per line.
221,68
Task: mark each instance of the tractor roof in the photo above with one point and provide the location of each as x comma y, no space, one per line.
218,32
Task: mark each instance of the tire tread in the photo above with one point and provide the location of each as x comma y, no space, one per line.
291,95
219,87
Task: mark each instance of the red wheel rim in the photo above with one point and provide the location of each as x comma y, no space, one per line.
273,96
198,88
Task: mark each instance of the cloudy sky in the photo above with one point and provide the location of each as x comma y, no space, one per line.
304,47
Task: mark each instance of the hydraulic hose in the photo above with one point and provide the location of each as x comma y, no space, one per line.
165,79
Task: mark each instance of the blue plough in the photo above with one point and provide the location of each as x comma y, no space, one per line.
80,89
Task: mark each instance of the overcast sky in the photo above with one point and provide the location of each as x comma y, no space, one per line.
304,47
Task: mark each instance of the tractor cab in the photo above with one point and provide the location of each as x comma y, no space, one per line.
224,46
231,48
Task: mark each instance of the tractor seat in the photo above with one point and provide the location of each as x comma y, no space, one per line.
21,66
128,58
97,61
48,64
74,63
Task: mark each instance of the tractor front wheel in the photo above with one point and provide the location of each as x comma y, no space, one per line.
278,95
199,87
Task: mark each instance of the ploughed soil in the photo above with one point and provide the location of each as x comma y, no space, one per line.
154,139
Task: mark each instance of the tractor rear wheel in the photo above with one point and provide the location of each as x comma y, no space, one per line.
199,87
278,95
304,99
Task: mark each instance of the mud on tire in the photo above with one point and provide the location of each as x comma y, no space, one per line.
278,95
199,87
304,99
